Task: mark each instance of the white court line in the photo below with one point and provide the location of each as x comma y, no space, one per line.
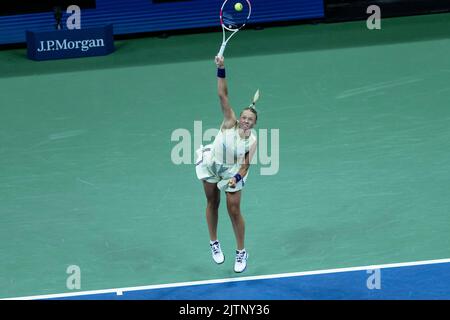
120,291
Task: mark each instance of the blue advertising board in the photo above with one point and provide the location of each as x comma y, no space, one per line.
61,44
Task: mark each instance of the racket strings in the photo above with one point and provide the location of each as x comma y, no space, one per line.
234,19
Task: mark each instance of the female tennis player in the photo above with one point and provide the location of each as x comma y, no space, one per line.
224,164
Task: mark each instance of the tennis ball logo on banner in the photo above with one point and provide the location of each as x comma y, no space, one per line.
374,21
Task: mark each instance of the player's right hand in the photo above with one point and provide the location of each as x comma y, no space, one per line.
232,183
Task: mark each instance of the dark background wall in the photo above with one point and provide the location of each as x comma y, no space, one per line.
139,16
343,10
132,17
14,7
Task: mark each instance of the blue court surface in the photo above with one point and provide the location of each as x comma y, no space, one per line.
423,280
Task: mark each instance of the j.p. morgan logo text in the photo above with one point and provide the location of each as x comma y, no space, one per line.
57,45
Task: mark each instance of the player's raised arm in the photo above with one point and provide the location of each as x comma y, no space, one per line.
229,120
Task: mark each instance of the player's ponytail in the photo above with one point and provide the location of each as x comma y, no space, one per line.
255,99
252,106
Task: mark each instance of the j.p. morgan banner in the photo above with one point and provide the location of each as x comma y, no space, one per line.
61,44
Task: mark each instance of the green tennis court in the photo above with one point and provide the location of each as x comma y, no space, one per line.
87,179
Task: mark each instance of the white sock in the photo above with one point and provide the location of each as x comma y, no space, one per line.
240,251
211,242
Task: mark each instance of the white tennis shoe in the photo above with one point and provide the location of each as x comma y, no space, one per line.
216,252
240,263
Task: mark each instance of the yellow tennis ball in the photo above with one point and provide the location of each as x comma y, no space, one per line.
238,6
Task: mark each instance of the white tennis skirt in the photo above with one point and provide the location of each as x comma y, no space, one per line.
210,171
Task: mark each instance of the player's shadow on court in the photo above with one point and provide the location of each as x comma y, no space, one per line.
250,42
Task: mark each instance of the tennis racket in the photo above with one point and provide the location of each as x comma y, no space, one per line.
233,20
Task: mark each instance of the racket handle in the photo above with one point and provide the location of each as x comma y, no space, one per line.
222,49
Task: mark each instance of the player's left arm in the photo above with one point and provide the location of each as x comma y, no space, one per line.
245,165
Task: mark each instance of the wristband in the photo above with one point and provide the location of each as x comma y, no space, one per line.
220,73
238,177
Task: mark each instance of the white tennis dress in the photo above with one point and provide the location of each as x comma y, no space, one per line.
223,158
